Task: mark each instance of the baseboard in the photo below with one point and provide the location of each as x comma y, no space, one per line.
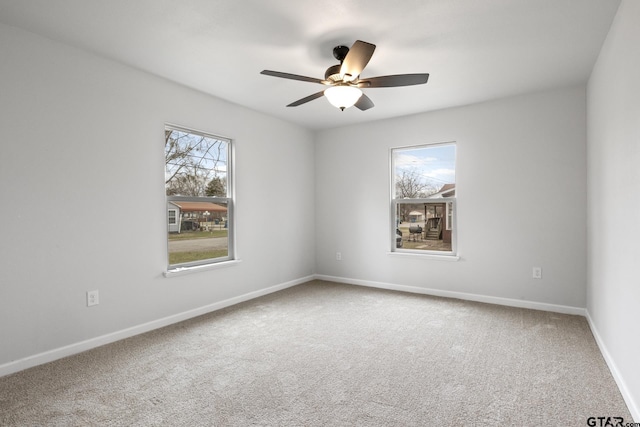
622,385
628,398
565,309
68,350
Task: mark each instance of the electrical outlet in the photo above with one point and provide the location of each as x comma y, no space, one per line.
537,272
338,256
93,298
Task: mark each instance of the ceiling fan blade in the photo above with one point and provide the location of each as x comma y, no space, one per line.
306,99
355,61
395,81
364,103
292,77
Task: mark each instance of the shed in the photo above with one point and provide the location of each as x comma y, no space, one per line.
415,216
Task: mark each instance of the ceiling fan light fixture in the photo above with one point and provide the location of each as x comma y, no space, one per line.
344,81
343,96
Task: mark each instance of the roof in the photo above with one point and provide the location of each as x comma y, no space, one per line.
447,187
447,190
199,207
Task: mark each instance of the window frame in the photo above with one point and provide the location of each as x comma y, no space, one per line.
393,206
229,201
171,217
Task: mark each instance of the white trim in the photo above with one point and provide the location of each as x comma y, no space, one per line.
622,385
534,305
181,271
229,199
393,210
71,349
424,255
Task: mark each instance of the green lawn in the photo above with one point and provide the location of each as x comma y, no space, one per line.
181,257
198,234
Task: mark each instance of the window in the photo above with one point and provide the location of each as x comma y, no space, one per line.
172,216
199,198
423,203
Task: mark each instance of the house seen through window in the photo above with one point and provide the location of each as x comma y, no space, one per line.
423,200
199,198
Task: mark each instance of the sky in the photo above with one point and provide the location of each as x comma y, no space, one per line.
435,163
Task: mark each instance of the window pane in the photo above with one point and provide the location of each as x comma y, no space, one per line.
424,171
424,190
196,165
424,226
198,197
201,234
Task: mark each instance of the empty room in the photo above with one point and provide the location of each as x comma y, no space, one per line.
320,213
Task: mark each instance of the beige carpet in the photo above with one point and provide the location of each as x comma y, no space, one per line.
326,354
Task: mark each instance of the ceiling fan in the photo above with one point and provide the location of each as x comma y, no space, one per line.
344,79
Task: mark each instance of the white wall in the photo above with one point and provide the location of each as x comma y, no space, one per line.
613,293
521,190
81,185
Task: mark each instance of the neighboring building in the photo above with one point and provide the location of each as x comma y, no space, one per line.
447,190
416,216
179,211
439,215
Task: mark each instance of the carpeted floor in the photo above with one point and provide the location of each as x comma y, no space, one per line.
326,354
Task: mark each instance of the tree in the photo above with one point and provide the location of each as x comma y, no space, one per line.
186,185
411,184
217,187
192,161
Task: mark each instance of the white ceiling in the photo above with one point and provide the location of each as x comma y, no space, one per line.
474,50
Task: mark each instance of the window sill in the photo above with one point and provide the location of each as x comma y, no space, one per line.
181,271
425,256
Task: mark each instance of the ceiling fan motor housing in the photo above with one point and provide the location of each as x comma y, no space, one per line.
333,73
